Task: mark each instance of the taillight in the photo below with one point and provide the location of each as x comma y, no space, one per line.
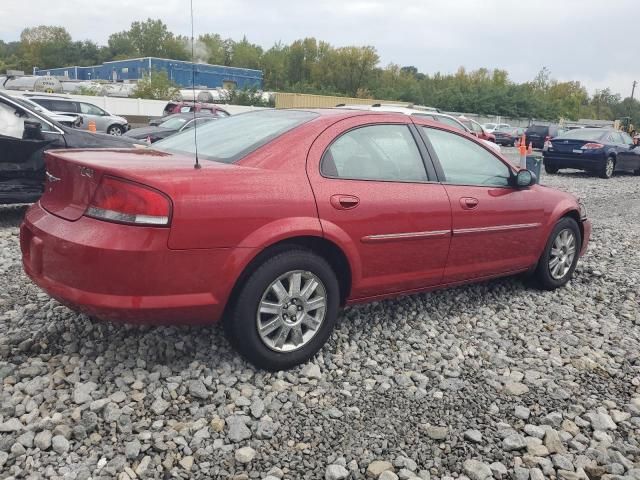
122,201
591,146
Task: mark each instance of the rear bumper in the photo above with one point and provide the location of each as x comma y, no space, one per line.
124,273
581,162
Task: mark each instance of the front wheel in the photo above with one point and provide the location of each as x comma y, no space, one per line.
608,168
115,130
560,256
285,311
550,169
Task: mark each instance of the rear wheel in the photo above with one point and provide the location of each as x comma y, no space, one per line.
608,168
560,256
550,169
285,311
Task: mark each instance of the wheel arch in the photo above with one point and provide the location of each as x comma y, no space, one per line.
321,246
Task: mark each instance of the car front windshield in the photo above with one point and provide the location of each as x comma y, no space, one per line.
583,134
174,123
236,136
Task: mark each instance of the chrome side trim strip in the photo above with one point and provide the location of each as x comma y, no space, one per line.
405,236
497,228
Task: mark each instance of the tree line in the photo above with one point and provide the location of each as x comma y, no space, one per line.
314,66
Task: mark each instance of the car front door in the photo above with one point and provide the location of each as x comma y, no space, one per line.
628,155
495,226
378,199
91,113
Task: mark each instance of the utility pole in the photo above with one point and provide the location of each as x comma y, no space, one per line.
633,91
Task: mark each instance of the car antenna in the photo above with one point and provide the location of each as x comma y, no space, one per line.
197,165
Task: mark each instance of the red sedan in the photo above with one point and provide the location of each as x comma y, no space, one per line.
292,215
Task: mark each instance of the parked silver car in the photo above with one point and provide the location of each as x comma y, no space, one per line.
105,122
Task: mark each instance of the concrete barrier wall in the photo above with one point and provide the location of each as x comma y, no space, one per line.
135,106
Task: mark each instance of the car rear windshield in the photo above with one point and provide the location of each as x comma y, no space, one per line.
174,123
584,134
539,129
233,138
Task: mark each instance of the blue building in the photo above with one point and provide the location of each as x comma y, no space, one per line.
180,72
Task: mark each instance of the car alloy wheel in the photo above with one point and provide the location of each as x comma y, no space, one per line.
291,311
115,130
608,168
562,254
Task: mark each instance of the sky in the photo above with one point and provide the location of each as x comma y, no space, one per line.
577,40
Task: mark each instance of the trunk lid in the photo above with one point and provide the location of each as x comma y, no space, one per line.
74,175
566,145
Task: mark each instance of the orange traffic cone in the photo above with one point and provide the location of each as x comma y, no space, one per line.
92,127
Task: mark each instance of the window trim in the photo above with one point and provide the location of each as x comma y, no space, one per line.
430,172
469,137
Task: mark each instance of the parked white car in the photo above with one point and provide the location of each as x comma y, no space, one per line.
492,127
425,113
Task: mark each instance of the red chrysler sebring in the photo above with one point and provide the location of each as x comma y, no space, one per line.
292,214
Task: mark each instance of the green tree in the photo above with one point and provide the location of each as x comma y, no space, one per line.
150,38
246,55
156,86
45,47
214,49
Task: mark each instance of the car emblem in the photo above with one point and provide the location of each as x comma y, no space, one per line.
51,178
86,172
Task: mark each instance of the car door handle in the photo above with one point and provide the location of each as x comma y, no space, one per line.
469,203
344,202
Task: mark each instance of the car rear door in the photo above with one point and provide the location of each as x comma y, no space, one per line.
378,199
496,227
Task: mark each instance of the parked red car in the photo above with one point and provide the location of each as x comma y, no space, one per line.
291,215
177,107
477,130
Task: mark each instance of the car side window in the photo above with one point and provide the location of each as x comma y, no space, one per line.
375,152
476,128
62,106
450,122
626,138
89,109
464,162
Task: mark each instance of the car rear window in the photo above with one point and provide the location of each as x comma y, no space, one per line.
539,129
584,134
237,136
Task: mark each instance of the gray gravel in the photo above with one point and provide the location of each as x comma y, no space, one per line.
491,380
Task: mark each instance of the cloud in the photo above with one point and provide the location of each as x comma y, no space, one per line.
573,38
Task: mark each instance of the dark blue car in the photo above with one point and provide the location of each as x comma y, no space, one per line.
597,150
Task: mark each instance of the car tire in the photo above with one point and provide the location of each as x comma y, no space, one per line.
560,256
115,130
607,169
550,169
283,311
637,172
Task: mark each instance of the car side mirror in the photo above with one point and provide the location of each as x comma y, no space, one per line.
525,178
32,130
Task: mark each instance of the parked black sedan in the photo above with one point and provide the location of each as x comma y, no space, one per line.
24,136
174,124
597,150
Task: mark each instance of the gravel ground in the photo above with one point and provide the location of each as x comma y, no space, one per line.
496,380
